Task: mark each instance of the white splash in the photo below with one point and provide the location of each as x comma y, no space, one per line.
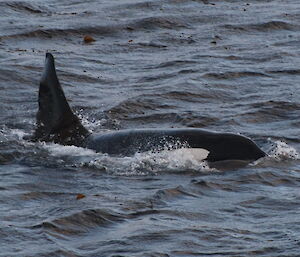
7,134
91,123
67,150
18,133
283,151
176,160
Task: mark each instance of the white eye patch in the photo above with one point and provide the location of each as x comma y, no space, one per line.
198,154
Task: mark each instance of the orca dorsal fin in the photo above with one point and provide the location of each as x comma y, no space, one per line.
55,120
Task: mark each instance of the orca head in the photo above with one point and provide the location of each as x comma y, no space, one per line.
229,146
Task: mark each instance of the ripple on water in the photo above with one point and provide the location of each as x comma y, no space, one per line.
263,27
80,222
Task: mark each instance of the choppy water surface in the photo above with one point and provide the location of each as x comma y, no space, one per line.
220,65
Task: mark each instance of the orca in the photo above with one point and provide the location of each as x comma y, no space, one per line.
56,122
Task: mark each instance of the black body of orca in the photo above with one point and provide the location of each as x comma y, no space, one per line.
57,123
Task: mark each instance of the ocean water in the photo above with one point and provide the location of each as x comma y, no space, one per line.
221,65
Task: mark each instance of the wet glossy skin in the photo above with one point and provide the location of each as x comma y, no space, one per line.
221,146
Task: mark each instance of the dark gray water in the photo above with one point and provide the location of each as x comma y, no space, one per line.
226,65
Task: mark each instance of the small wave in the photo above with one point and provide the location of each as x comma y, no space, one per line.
262,27
153,107
26,7
158,22
172,194
287,71
262,57
152,44
137,106
268,178
175,63
234,75
161,76
58,32
273,25
80,222
150,23
284,105
270,203
43,195
270,111
142,5
162,119
197,97
203,187
13,146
